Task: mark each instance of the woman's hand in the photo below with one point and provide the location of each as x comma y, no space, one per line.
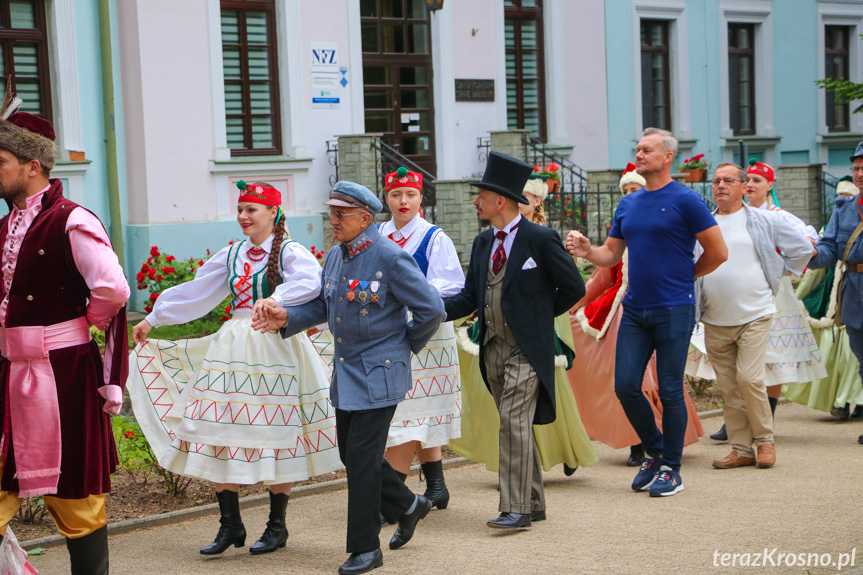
140,331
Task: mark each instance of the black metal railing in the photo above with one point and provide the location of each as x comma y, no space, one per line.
829,184
483,144
333,160
388,160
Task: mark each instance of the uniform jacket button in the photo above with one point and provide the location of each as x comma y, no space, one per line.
346,260
338,320
341,299
341,360
339,340
387,362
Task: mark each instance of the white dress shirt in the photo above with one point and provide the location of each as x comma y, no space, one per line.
507,241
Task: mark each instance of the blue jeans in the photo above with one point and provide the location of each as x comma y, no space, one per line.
667,331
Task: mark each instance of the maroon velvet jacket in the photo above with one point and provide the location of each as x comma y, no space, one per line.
47,289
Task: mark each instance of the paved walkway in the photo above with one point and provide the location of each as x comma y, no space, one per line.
810,502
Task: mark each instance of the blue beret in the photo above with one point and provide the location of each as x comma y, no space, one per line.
349,194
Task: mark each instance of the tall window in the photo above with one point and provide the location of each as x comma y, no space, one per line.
655,75
741,77
525,79
251,77
836,45
24,47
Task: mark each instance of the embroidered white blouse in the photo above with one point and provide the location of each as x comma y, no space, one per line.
444,271
301,283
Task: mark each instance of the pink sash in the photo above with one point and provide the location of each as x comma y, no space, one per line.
32,393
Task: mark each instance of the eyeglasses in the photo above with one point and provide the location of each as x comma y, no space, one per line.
341,215
856,169
728,181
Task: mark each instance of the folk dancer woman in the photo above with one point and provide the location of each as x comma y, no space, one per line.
239,406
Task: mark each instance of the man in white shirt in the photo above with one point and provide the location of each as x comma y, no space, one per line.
737,304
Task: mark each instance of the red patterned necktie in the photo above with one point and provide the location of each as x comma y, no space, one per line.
499,257
400,242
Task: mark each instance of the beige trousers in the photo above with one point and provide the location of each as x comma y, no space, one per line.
737,354
515,387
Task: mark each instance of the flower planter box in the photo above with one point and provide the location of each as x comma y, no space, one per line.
553,185
695,175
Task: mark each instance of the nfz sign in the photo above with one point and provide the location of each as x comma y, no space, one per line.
325,57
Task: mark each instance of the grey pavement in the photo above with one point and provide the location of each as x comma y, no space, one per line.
809,503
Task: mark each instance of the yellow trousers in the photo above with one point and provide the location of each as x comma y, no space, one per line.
75,518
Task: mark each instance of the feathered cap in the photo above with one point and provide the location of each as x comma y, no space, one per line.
26,136
630,176
403,178
536,185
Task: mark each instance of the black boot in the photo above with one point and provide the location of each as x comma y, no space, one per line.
436,490
842,413
403,477
89,554
276,534
231,529
569,471
773,403
636,454
720,435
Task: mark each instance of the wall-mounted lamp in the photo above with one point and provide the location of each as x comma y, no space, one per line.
433,5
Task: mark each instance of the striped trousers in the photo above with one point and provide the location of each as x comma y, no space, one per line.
515,385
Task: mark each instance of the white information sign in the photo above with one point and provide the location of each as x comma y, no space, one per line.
325,75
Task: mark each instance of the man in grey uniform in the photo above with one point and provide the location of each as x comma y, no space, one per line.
369,285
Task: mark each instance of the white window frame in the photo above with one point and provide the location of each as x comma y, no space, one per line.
674,11
851,16
756,12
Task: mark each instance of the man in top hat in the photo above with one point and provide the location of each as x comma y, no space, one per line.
519,279
369,285
842,241
60,276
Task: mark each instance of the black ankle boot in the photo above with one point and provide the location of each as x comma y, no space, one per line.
842,413
231,530
636,454
276,534
89,554
720,435
773,403
436,490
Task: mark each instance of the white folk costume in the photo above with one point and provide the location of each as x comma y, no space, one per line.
238,406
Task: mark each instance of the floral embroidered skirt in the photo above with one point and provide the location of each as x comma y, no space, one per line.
237,406
431,411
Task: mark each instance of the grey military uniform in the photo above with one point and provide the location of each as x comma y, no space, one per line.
373,337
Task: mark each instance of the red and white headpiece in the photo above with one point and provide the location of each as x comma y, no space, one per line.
761,169
630,176
259,194
403,178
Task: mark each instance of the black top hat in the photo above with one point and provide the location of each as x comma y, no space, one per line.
506,176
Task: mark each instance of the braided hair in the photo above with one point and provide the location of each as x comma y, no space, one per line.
279,233
539,214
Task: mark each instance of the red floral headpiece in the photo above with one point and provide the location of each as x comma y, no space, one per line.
761,169
402,178
259,194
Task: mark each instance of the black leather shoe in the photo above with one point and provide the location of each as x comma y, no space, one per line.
636,455
720,435
860,439
858,411
537,516
276,534
408,523
511,521
568,471
842,413
362,562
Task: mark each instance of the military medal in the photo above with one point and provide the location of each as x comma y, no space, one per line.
364,312
374,287
363,294
352,284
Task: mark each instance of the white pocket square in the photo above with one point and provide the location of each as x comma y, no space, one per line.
529,264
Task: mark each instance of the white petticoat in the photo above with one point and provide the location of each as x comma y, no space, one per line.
792,352
431,411
264,418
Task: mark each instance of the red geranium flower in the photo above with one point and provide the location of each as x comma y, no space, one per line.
148,308
159,277
154,251
154,297
151,274
227,309
552,167
169,258
140,276
145,267
130,434
200,262
169,270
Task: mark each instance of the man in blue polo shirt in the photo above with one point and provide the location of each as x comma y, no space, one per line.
659,224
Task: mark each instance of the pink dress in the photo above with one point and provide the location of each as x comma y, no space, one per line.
594,331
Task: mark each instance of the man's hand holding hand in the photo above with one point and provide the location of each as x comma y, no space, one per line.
267,316
577,244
